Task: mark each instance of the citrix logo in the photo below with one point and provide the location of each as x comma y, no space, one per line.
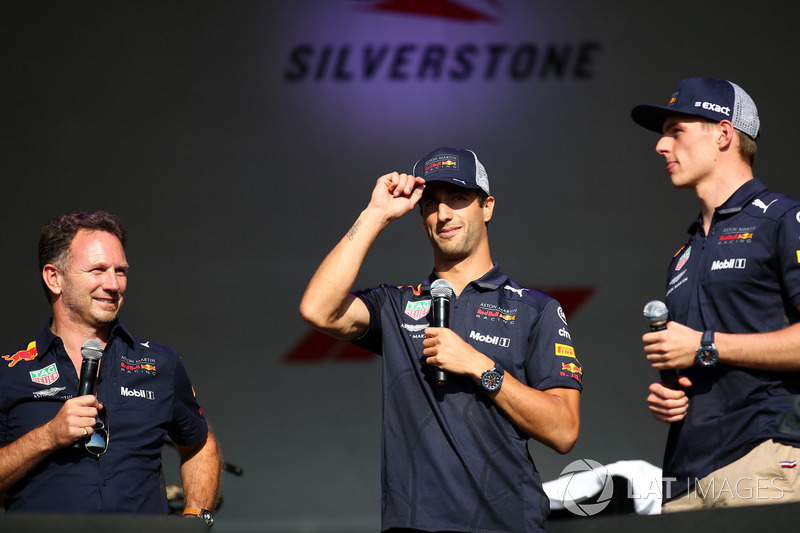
137,393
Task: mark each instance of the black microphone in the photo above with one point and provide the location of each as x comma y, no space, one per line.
657,315
441,291
92,351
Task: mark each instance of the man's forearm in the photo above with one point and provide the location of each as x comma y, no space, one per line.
326,299
21,456
201,471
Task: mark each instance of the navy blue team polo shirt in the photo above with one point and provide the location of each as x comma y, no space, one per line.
452,461
147,394
744,277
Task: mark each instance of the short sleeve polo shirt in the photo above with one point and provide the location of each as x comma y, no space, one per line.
743,277
451,459
147,394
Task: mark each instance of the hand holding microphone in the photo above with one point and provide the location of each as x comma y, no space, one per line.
657,316
441,292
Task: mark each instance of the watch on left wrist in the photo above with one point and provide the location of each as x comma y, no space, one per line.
707,354
492,378
205,514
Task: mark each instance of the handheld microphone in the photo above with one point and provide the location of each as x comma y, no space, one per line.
656,313
92,351
441,291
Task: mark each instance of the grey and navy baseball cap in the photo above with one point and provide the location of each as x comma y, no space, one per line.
454,165
710,98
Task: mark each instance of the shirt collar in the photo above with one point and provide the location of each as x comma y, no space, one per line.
46,337
737,201
491,281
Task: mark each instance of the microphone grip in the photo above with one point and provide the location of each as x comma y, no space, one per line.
86,386
669,378
441,319
88,376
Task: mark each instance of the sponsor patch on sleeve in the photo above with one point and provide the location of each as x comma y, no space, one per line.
565,350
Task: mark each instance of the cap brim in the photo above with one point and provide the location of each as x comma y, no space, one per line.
454,181
652,117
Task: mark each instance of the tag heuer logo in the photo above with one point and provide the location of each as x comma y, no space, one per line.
45,376
417,310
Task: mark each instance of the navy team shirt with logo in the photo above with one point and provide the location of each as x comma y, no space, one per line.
451,459
744,277
147,394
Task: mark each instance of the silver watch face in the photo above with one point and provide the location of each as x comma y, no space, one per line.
208,517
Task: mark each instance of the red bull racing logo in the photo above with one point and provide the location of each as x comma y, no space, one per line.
145,365
573,371
28,354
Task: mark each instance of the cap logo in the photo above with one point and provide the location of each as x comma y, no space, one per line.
673,97
716,108
442,161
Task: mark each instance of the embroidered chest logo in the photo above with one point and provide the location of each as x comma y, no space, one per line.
761,205
737,235
46,376
417,310
145,365
494,313
28,354
684,257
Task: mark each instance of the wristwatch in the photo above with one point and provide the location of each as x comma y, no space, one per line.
492,378
205,514
707,353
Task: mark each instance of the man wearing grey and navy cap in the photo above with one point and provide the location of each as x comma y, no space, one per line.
733,294
460,400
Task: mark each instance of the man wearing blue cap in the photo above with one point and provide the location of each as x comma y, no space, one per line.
459,402
733,294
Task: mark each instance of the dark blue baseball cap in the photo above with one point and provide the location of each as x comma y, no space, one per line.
710,98
454,165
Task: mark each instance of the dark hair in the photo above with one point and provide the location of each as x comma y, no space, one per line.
480,193
57,237
747,145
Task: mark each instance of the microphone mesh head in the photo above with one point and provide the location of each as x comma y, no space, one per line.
92,349
655,312
441,287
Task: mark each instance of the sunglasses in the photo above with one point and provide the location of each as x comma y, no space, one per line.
97,443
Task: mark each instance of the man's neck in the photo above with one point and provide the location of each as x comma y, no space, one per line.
461,273
73,337
716,191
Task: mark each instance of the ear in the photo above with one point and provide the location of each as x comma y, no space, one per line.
488,209
727,133
52,278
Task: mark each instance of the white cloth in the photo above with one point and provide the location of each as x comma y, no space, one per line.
643,486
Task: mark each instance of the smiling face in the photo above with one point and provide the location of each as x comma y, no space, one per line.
454,220
91,286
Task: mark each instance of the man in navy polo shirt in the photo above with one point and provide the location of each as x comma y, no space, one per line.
97,453
733,294
455,454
